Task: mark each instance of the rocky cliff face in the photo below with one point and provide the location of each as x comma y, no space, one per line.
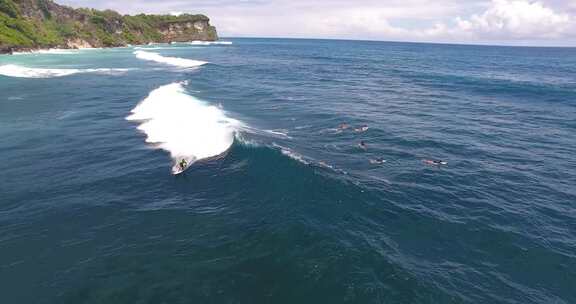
30,24
182,31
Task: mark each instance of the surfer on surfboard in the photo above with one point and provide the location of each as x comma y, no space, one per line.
183,163
434,162
377,161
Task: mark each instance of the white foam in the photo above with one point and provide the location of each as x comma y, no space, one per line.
157,48
210,42
149,48
180,62
13,70
292,154
186,127
48,51
56,51
279,133
295,156
247,141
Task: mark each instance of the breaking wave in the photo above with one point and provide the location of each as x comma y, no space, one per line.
210,42
150,48
187,127
12,70
175,61
49,51
56,51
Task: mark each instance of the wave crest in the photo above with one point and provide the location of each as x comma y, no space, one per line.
175,61
186,127
210,42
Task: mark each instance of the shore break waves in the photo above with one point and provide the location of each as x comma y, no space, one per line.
175,61
12,70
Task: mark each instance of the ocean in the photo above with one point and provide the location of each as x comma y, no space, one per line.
463,191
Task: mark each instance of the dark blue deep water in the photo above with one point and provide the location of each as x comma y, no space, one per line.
294,212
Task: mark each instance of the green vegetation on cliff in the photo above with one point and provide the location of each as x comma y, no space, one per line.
29,24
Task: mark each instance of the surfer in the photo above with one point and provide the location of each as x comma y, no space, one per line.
435,162
183,164
362,145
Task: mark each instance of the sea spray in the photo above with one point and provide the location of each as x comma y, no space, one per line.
186,127
175,61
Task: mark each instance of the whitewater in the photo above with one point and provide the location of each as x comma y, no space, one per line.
13,70
210,42
174,61
185,126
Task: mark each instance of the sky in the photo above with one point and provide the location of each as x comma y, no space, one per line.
502,22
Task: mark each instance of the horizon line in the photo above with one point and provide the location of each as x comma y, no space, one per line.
487,44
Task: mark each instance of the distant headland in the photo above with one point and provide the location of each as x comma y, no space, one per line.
27,25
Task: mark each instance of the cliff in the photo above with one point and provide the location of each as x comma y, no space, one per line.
34,24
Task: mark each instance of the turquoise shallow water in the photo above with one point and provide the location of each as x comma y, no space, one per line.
294,211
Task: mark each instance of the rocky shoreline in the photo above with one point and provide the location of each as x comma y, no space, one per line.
33,25
15,51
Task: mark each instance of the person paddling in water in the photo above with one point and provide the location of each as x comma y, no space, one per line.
434,162
183,164
361,129
377,161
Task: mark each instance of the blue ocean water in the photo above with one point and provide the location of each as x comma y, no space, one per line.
281,205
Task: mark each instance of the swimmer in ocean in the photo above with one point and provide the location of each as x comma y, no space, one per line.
362,145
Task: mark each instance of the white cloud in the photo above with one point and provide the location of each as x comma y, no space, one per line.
517,19
367,19
505,21
500,20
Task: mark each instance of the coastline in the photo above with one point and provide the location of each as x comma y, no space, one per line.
44,24
26,50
